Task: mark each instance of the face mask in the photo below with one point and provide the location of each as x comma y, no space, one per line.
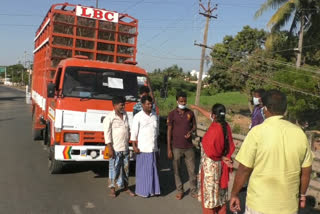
181,106
256,101
262,113
211,117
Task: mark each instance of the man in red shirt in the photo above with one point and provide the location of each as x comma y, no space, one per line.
181,124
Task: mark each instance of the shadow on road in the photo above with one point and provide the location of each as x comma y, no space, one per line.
10,98
308,210
6,119
100,169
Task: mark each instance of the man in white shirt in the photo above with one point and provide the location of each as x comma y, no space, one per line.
144,132
116,135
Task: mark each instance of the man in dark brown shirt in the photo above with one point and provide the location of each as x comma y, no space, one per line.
181,124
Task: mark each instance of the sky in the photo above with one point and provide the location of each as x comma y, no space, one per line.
167,28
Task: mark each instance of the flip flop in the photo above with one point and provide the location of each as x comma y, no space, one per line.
194,195
179,196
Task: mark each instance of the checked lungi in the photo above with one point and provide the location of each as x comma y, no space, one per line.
119,170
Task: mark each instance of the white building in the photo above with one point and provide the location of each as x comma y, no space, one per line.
195,73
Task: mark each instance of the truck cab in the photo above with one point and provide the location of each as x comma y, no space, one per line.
79,98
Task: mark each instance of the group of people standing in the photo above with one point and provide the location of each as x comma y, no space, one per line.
275,156
143,136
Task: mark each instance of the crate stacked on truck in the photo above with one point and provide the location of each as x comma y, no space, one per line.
70,30
83,57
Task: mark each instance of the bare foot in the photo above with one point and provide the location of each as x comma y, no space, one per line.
127,190
112,193
179,196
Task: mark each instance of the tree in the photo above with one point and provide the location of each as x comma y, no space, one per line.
301,12
176,80
226,58
15,72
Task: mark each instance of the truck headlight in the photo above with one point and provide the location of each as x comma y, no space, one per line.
71,137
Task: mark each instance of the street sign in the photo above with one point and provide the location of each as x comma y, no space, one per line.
2,69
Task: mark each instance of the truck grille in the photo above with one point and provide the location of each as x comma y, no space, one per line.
92,138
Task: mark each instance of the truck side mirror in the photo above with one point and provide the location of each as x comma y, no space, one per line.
51,89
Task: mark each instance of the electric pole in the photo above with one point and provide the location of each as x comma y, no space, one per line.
300,43
208,14
24,65
97,3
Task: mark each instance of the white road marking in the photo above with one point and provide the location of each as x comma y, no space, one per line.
76,209
90,205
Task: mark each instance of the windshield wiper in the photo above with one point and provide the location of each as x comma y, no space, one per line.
131,98
86,98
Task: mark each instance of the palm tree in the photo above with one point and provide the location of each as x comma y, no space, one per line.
300,12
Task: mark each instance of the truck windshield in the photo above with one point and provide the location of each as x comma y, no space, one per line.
103,84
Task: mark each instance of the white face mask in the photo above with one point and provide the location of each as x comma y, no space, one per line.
211,117
256,101
181,106
262,112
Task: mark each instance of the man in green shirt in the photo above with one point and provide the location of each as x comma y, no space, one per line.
276,156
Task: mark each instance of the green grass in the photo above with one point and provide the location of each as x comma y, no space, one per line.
235,100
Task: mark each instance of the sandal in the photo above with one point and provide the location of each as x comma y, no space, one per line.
194,195
179,196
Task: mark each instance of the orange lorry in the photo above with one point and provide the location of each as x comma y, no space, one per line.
83,57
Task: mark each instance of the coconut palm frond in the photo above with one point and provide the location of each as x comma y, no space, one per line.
270,40
294,23
313,27
267,5
282,15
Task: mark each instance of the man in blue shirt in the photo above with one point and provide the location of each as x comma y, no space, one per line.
257,116
143,91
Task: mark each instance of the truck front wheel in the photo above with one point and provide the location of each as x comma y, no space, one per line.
55,167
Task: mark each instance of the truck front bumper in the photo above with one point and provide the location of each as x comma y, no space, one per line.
84,153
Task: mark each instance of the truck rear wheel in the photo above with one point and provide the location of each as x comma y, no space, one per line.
47,136
55,166
37,134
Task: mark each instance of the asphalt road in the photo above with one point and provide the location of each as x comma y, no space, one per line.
26,187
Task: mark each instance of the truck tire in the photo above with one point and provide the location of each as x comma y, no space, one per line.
37,134
47,136
54,166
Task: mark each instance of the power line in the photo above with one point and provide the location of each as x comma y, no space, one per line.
172,58
255,76
158,34
292,71
274,82
286,64
132,6
18,25
169,51
12,14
